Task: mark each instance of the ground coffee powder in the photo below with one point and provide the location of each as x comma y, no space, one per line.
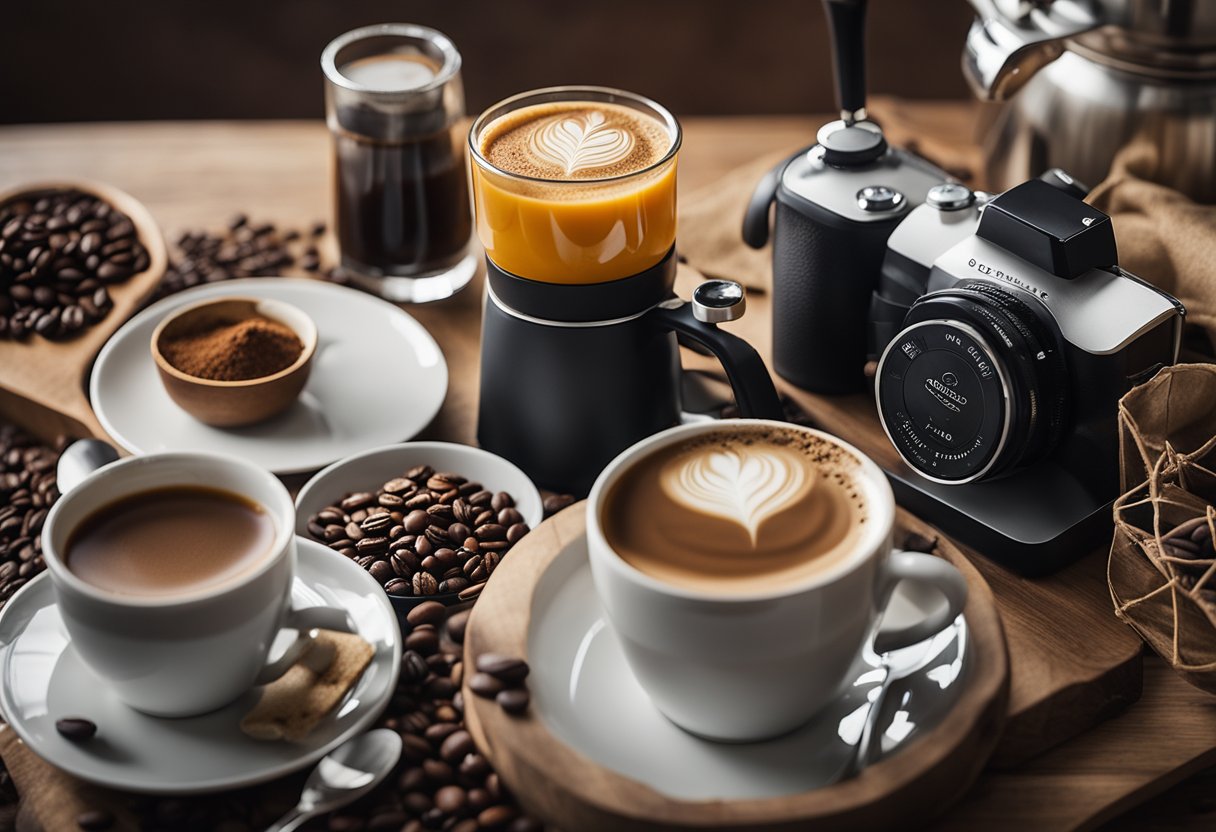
234,351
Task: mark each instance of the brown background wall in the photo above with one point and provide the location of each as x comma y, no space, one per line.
73,60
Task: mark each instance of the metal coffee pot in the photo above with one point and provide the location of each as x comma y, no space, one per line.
1082,79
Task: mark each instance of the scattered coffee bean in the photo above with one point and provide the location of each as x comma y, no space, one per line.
57,248
27,491
424,534
94,820
513,700
485,685
76,729
240,250
457,623
917,542
505,668
556,502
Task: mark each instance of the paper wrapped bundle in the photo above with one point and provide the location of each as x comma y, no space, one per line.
1162,569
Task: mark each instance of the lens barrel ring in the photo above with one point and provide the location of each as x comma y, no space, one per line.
1016,339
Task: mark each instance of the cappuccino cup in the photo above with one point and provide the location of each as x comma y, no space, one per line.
744,564
176,629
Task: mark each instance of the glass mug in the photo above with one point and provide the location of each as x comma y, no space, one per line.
582,228
394,105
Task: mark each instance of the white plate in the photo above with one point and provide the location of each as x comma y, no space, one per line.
378,377
369,470
585,693
42,680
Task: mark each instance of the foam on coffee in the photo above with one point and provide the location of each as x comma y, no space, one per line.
574,140
737,510
170,541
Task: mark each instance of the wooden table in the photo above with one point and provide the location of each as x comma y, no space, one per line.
197,175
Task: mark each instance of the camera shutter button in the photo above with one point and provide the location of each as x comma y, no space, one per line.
879,198
950,196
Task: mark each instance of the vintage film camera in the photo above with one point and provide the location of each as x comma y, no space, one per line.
1005,329
1006,333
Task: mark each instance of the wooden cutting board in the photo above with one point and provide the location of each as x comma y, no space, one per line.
42,383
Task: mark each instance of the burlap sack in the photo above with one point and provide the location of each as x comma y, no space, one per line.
1168,446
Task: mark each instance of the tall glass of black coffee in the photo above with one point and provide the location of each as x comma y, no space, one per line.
393,100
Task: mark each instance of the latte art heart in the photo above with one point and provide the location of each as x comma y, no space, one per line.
744,485
580,142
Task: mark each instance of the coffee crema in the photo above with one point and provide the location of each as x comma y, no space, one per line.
737,511
170,541
574,140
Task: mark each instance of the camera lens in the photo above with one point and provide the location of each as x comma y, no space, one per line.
974,385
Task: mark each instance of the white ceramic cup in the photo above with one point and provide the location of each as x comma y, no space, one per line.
185,653
751,666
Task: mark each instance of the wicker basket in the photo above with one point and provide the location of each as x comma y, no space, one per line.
1163,590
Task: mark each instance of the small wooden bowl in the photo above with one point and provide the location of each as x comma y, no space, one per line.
229,404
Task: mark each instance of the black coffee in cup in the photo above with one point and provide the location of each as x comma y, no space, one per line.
401,207
402,201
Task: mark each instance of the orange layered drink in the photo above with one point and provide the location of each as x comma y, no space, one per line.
575,184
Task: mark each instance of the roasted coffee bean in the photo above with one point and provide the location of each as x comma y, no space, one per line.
382,572
456,747
508,669
440,731
513,700
490,531
516,532
93,820
485,685
358,500
413,666
424,584
457,623
424,642
428,612
471,592
53,260
376,523
77,729
399,587
451,799
502,500
458,532
417,521
372,545
556,502
496,817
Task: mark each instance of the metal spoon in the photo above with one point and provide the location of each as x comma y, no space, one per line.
348,772
81,458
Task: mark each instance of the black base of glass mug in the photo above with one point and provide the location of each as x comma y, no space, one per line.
571,375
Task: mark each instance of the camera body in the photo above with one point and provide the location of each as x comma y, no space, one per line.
830,230
1007,334
837,201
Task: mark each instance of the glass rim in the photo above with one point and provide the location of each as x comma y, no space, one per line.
412,31
572,93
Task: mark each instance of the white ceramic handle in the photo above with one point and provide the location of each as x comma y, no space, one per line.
305,622
937,573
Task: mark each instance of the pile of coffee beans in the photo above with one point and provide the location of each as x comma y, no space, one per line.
1190,545
27,492
501,678
59,251
441,783
423,533
243,249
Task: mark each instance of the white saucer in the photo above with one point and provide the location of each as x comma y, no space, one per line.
585,693
378,377
42,680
